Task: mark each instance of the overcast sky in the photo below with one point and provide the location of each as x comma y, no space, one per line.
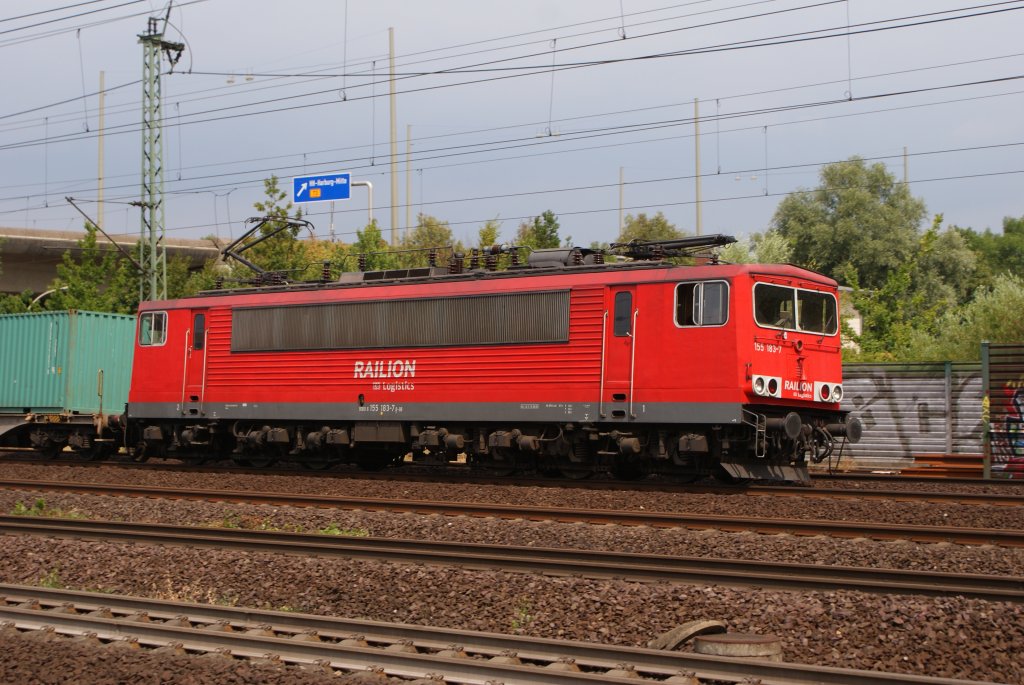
289,88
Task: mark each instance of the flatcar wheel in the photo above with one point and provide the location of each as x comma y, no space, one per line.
88,453
51,451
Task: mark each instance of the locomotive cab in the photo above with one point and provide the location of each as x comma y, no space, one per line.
791,356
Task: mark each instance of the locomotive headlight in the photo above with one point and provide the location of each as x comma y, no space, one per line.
837,393
825,392
773,387
759,385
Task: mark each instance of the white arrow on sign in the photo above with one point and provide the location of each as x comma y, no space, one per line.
302,188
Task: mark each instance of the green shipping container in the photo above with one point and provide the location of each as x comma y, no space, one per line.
53,362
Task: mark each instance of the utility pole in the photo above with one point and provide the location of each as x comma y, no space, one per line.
696,148
408,179
153,285
99,165
394,142
622,177
906,168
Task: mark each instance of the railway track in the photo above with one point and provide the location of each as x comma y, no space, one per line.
844,529
1012,497
395,649
566,562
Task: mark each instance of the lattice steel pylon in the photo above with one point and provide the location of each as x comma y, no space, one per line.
152,253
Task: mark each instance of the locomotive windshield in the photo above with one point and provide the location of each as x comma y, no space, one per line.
794,309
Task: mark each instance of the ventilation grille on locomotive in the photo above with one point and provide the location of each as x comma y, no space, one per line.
516,318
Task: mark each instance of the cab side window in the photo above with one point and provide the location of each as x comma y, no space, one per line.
153,328
199,330
702,304
622,321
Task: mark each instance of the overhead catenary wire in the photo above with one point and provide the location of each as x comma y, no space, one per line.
532,124
524,142
757,43
655,205
638,182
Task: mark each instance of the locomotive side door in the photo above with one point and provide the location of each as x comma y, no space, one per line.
193,383
619,353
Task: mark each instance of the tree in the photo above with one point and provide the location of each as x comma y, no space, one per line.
430,232
909,302
859,221
993,315
642,227
760,248
284,251
997,253
96,279
539,234
16,304
370,242
488,234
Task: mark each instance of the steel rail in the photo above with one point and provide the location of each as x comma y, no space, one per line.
806,527
455,474
567,562
256,633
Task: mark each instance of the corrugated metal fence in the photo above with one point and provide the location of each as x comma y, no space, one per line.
1004,390
916,416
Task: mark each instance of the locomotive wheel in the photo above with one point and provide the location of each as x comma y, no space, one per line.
503,462
576,472
256,462
627,470
374,460
138,454
578,465
317,463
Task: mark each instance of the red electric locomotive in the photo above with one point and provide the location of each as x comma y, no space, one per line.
564,364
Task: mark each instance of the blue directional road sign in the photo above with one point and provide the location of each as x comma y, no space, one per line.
321,187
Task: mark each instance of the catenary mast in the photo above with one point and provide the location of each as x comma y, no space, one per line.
152,253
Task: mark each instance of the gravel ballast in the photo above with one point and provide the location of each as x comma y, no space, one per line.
951,637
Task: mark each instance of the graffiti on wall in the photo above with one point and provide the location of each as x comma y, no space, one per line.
914,410
1006,432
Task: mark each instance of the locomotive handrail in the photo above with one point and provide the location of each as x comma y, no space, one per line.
604,342
632,363
184,372
202,389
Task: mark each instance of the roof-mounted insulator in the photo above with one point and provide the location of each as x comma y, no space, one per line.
362,262
432,256
325,273
455,263
515,256
474,259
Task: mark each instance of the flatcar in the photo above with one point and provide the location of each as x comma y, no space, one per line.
567,363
